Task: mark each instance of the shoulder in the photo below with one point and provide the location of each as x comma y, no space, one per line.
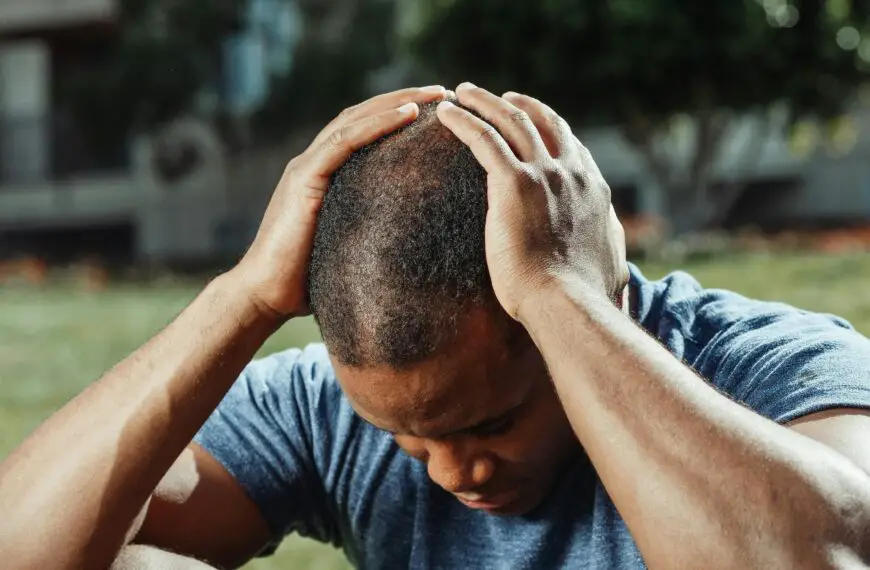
288,435
678,305
289,405
782,361
300,384
305,375
310,363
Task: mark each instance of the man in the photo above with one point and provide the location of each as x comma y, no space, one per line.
501,389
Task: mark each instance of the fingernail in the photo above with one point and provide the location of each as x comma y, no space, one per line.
445,105
510,94
408,108
466,85
433,89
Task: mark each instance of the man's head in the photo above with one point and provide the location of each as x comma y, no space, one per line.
400,288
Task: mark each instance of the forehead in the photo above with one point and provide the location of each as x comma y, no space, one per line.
485,373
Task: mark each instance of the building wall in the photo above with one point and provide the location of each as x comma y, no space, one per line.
18,16
828,183
24,103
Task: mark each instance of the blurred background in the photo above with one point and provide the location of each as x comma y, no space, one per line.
141,139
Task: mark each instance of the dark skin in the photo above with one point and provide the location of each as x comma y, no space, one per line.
556,257
723,487
116,463
482,415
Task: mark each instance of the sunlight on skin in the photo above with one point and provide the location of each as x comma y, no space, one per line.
56,340
139,557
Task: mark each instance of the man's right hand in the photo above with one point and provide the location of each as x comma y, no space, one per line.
70,494
275,268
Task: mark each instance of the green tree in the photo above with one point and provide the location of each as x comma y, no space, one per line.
643,64
344,43
167,51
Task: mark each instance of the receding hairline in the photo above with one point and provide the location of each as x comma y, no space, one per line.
400,244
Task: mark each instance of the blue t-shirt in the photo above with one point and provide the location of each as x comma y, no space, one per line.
289,436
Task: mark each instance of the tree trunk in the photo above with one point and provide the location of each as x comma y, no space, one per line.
689,209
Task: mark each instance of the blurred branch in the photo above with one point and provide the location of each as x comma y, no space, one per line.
640,132
590,58
730,192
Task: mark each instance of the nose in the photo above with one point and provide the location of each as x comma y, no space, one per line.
455,469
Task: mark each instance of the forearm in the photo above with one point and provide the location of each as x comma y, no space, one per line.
700,480
78,482
139,557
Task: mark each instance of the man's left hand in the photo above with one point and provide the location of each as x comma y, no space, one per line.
549,220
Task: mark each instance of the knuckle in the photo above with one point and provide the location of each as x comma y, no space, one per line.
557,121
294,164
488,134
581,177
585,155
337,139
606,193
566,127
348,112
555,173
518,116
529,177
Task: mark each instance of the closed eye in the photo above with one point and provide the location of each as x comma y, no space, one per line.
494,429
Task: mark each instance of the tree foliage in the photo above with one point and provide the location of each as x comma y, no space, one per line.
639,63
166,52
330,71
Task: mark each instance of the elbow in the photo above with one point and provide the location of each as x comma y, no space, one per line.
837,557
849,545
847,549
811,543
817,557
830,530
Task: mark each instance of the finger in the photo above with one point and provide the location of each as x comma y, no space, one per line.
335,150
554,130
488,146
514,124
380,104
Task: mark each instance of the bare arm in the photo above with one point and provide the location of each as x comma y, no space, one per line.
91,467
722,487
701,481
140,557
70,493
200,510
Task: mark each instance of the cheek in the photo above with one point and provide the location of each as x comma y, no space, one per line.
540,437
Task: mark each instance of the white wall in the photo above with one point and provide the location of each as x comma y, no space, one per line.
16,15
25,69
74,203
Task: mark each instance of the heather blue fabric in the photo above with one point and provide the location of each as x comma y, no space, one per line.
291,439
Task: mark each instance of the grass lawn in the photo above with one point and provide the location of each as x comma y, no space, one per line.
55,341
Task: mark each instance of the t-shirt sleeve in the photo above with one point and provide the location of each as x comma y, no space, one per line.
785,363
265,433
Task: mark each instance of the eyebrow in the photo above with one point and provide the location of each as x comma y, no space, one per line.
487,423
470,430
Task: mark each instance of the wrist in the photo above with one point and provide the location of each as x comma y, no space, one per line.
572,289
535,302
237,290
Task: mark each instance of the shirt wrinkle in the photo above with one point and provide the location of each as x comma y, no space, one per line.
290,438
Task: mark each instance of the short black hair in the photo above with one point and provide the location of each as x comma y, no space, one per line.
399,250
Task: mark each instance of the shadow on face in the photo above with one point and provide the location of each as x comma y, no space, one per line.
482,414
